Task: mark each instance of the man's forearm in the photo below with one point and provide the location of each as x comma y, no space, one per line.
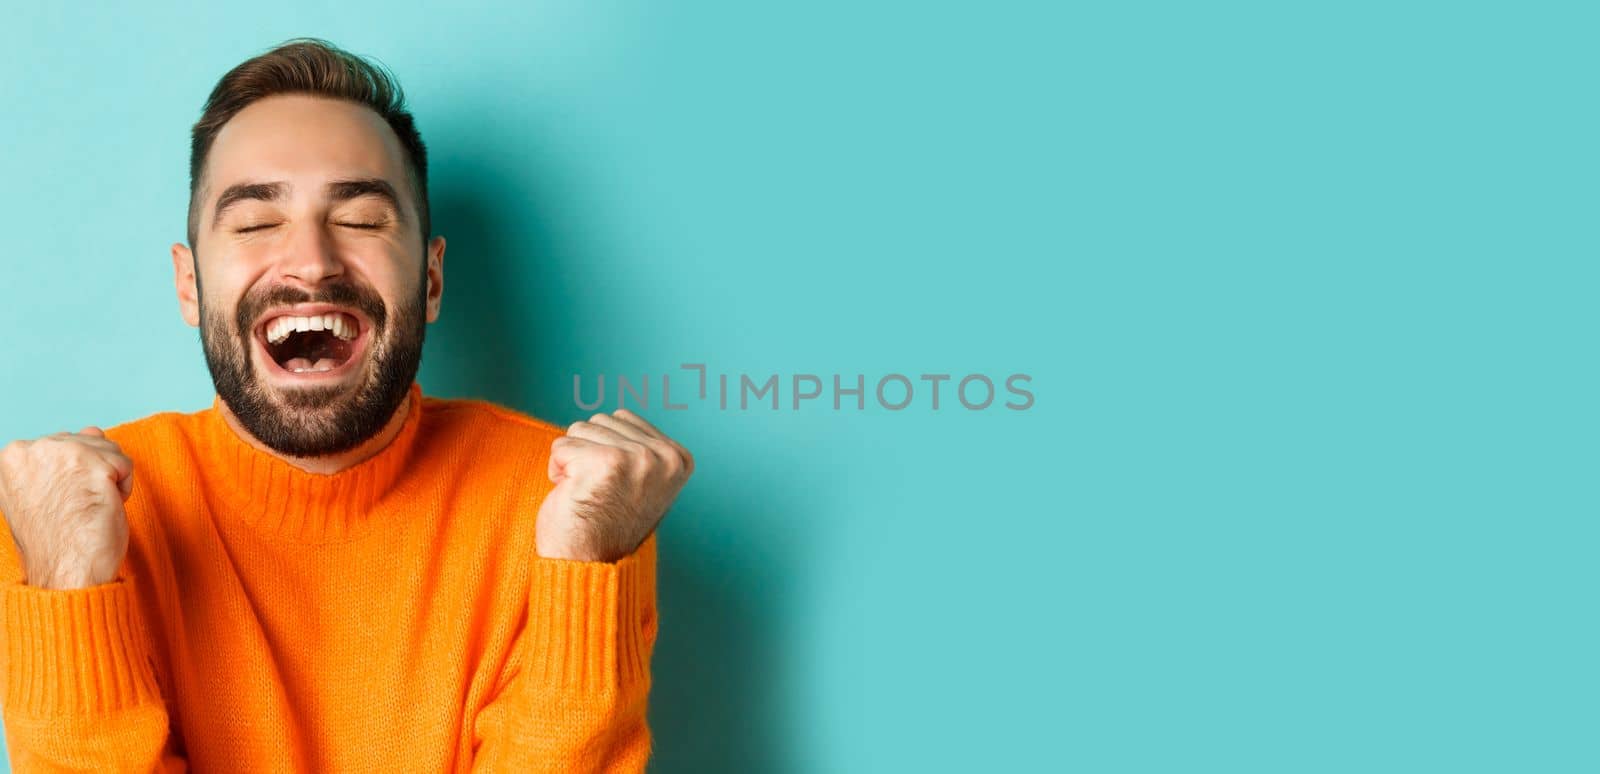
80,693
579,700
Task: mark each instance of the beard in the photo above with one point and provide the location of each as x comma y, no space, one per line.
315,421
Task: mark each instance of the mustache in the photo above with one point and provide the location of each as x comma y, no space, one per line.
346,294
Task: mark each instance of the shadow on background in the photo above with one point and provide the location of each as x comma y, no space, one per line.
509,331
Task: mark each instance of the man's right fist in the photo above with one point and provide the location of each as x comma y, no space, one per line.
62,496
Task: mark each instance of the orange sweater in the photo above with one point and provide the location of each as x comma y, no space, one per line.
391,617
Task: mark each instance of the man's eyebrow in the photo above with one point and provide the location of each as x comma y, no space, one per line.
239,192
344,190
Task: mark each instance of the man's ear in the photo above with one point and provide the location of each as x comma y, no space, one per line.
435,276
183,278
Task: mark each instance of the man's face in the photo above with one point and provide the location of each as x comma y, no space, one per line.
313,289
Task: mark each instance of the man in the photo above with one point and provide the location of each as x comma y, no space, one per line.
327,570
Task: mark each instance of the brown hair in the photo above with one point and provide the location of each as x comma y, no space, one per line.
319,68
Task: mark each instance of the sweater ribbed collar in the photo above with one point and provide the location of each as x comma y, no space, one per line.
284,501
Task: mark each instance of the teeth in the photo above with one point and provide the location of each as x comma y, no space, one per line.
338,324
280,329
301,365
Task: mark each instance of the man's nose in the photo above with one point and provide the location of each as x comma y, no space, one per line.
311,256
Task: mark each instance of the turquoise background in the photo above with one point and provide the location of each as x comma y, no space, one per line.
1307,292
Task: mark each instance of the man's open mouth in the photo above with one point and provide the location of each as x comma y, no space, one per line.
312,341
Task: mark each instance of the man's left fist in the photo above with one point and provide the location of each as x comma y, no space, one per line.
615,477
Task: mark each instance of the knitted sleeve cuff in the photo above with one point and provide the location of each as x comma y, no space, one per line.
593,624
73,652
